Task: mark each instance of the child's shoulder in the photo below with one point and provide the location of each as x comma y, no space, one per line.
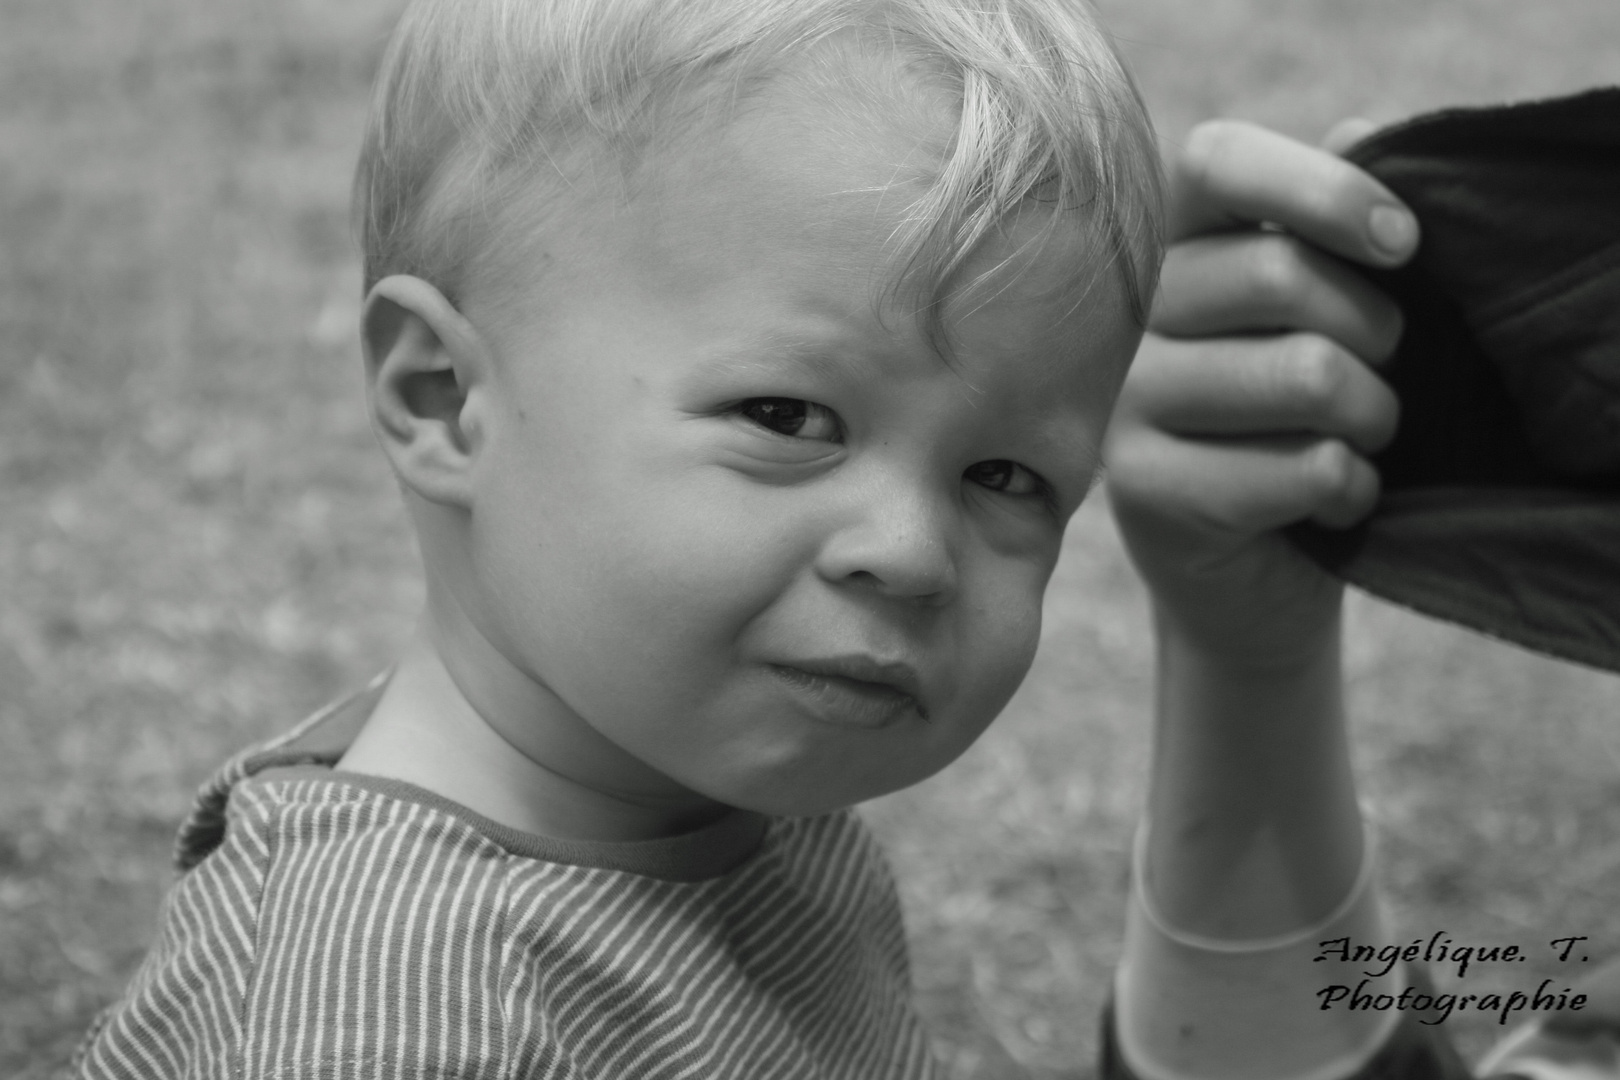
327,916
318,740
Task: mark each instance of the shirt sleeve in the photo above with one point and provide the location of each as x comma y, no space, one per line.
1413,1050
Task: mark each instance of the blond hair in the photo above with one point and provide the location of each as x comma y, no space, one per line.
478,99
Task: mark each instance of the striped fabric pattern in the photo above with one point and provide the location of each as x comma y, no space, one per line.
342,931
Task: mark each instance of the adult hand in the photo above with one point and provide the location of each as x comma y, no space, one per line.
1254,401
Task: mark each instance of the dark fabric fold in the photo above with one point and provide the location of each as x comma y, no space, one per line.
1501,505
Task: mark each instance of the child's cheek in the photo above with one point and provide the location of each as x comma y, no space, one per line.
1005,630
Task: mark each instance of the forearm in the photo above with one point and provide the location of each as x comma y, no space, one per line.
1251,853
1253,824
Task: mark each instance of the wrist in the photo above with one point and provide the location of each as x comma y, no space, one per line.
1279,652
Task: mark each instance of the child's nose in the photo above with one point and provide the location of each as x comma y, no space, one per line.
900,545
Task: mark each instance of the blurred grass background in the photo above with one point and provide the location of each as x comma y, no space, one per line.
198,544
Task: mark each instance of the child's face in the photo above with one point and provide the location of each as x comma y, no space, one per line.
735,513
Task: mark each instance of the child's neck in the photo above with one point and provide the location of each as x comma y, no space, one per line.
427,732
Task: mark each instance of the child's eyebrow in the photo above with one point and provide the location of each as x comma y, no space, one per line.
824,354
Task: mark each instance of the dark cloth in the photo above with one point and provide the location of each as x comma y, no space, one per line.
1501,505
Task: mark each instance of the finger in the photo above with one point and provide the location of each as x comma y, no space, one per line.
1351,483
1257,281
1346,133
1286,384
1243,488
1232,174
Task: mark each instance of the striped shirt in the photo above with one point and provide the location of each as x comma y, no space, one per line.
334,925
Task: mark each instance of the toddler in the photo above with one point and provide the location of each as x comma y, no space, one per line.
740,362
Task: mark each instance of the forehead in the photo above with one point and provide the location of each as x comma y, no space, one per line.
824,159
787,204
825,164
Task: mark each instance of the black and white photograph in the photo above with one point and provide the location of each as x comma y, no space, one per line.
810,540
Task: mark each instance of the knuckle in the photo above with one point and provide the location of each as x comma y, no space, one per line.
1336,196
1313,373
1392,327
1372,416
1133,463
1331,467
1205,146
1339,193
1275,270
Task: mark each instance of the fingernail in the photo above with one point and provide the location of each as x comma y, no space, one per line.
1393,229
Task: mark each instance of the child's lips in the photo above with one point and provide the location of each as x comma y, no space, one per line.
856,691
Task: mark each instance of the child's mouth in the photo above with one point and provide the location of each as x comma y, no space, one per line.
830,693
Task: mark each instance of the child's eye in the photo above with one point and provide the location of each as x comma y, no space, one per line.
1006,476
793,417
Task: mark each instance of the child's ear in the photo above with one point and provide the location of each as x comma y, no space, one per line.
424,365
